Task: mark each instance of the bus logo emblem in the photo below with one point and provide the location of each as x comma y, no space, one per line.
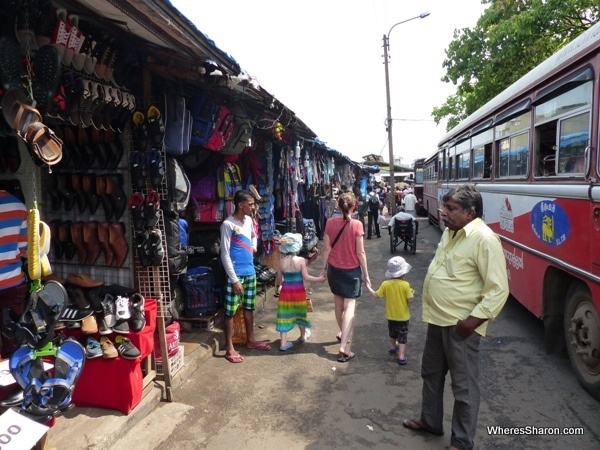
550,223
507,219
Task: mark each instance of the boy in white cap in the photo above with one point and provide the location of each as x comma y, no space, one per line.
398,295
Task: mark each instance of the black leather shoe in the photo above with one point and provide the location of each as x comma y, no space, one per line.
76,183
114,189
107,204
66,191
88,184
52,186
65,239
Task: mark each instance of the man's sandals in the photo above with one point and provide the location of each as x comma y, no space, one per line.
27,122
234,358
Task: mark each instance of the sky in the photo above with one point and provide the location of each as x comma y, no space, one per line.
323,59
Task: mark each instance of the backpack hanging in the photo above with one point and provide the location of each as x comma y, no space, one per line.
178,187
178,122
205,113
241,133
229,180
223,130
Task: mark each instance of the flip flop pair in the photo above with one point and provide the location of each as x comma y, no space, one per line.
46,395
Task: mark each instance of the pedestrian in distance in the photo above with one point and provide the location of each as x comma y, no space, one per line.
238,244
345,264
361,203
373,214
410,202
465,287
291,305
398,296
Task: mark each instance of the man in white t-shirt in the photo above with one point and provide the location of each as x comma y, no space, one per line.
410,203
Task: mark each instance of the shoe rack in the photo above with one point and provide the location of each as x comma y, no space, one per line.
153,281
86,209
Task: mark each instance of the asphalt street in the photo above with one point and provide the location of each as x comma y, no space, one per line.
305,399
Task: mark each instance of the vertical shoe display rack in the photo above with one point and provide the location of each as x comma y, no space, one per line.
154,281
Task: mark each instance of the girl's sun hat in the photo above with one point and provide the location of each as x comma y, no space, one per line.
397,267
290,243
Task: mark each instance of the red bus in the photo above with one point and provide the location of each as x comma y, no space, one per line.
417,187
532,151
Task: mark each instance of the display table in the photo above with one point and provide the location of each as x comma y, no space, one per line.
118,383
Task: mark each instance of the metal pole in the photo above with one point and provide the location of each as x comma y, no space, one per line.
388,123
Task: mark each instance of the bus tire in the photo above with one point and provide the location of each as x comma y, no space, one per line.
582,336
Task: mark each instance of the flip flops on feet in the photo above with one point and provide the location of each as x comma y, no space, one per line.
403,362
345,357
234,358
393,349
259,346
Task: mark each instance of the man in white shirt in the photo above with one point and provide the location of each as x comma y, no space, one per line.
410,203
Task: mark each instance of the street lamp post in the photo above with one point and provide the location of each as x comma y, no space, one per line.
388,122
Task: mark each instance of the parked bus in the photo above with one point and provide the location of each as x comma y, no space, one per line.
419,167
532,151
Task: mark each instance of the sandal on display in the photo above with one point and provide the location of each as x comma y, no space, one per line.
18,112
44,143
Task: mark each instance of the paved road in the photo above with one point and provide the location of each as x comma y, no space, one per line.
305,399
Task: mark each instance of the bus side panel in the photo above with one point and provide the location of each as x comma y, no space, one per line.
522,268
549,236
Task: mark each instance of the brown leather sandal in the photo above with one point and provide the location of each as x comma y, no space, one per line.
44,143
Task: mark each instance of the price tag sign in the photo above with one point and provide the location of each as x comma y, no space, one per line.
18,432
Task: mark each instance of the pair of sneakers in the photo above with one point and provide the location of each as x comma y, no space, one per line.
121,347
122,314
149,247
144,210
151,164
148,129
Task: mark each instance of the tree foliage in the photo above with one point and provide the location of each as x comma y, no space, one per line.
510,38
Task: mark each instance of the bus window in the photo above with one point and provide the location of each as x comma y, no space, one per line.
513,146
482,154
574,138
463,160
561,140
545,140
503,153
487,161
513,155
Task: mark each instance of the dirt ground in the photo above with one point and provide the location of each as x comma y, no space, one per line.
305,399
